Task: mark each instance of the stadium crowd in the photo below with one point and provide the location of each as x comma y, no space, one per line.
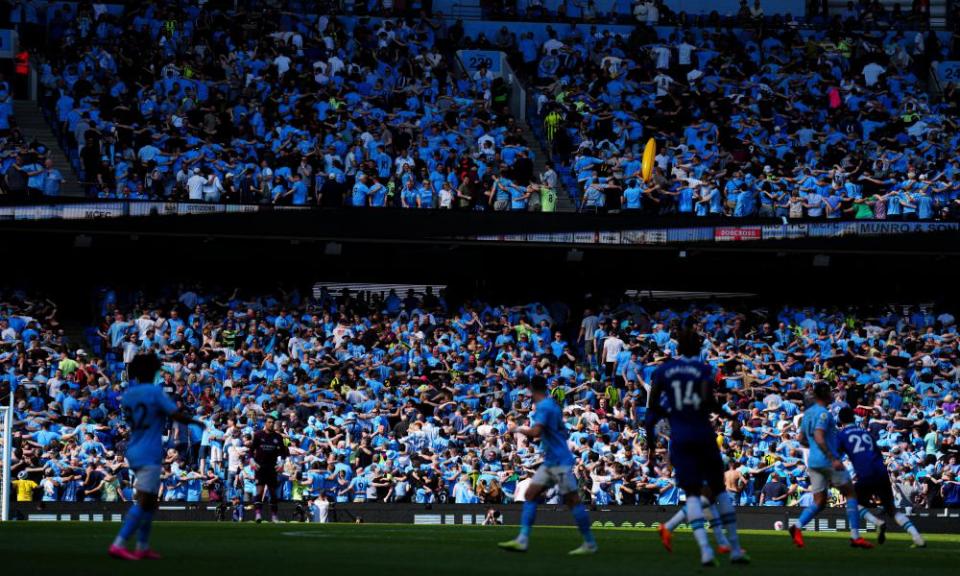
172,102
407,397
829,123
166,102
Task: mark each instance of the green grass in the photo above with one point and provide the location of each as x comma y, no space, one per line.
40,548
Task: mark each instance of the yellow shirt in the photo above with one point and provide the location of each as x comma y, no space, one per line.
67,366
25,490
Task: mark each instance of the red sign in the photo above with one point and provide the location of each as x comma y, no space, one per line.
22,63
737,234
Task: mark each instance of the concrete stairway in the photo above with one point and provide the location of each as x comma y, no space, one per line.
34,126
564,203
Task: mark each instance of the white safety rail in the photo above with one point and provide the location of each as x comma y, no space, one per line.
685,295
338,288
6,491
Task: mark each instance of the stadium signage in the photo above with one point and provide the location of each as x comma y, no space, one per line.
751,518
948,71
473,60
653,236
737,234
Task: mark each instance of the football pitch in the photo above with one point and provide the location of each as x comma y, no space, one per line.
39,548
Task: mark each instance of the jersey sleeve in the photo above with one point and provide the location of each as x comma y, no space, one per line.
822,422
541,417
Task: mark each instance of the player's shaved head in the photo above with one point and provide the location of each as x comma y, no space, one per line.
538,385
144,367
689,342
823,392
846,416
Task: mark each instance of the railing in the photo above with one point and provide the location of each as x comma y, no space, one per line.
6,488
496,63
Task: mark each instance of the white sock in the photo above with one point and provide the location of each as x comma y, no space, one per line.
118,542
716,525
695,517
523,539
869,516
907,525
727,516
679,518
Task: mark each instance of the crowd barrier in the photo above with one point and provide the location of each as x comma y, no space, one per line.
751,518
862,229
107,209
589,233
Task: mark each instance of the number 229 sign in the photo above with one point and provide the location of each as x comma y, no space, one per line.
473,60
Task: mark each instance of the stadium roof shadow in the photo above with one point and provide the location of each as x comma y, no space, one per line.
420,247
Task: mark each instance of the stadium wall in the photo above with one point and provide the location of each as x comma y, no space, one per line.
752,518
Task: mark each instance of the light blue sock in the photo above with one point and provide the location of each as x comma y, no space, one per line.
808,514
527,517
728,518
130,523
716,525
853,517
582,518
146,522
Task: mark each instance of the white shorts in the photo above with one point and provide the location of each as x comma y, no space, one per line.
147,479
560,476
823,478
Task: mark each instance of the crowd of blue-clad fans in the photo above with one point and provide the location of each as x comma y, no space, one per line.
176,102
787,122
170,102
407,397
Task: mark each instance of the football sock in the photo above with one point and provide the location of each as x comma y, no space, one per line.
807,515
143,536
695,517
527,517
853,517
905,523
582,519
728,518
679,518
867,516
130,524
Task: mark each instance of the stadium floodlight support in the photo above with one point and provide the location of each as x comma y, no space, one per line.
5,490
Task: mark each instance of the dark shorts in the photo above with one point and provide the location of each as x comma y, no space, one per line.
878,488
267,476
697,464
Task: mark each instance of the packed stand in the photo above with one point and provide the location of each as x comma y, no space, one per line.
832,124
26,171
169,102
408,397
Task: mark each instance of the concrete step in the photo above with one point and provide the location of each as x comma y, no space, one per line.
564,203
34,126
